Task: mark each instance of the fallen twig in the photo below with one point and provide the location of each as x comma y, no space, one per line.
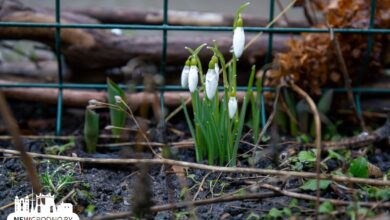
159,208
314,198
200,186
9,205
308,175
380,134
69,194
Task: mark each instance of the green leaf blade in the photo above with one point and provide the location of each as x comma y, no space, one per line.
117,117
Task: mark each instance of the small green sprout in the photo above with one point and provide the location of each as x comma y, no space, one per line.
55,181
326,207
359,167
91,130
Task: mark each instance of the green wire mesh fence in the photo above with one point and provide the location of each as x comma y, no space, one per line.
165,27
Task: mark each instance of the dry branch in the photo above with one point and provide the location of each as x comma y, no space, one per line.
172,206
309,175
276,192
314,198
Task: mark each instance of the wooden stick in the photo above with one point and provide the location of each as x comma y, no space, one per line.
13,129
308,175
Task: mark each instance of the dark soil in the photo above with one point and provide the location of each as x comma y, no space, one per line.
105,189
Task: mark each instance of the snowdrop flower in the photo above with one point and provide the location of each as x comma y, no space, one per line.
211,80
363,134
92,102
116,31
184,74
238,39
232,106
193,76
118,99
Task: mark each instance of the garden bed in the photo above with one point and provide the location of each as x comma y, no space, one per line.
98,189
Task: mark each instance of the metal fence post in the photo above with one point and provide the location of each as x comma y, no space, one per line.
59,61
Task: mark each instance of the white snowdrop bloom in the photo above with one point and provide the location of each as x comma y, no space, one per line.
193,76
117,31
363,134
232,106
184,74
118,99
238,39
211,83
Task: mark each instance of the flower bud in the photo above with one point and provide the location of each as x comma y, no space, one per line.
211,81
184,74
238,39
118,99
92,102
109,127
193,76
232,105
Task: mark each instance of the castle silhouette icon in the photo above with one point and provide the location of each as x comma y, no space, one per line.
41,207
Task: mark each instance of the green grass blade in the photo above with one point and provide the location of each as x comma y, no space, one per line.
325,102
192,130
242,118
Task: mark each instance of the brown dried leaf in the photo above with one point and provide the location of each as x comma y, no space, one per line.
374,171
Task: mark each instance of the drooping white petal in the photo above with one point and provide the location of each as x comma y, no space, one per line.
184,76
238,41
232,106
193,78
211,83
216,68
